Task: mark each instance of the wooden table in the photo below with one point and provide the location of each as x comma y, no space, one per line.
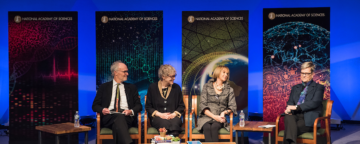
253,126
61,129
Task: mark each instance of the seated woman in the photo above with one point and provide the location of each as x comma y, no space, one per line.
164,102
217,99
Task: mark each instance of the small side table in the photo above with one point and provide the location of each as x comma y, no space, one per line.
252,126
62,129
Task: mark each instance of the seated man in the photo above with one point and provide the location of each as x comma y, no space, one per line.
121,98
304,105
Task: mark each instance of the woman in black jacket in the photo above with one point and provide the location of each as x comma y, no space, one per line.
165,103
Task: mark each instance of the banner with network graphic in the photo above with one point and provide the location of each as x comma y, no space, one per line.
215,38
43,72
135,38
291,37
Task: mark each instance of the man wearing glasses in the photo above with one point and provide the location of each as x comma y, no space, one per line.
118,102
304,105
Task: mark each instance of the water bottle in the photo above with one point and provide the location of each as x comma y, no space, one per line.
152,141
77,119
242,119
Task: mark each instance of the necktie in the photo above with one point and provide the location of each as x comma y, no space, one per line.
117,97
302,96
303,93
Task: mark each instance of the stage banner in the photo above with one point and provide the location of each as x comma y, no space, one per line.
135,38
291,37
215,38
43,72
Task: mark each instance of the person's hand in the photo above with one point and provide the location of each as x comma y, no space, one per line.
287,112
222,115
219,119
291,107
171,116
162,115
127,112
105,111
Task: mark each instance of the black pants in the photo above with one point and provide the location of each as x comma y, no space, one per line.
294,126
120,124
173,126
211,131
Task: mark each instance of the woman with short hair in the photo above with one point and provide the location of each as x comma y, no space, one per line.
164,102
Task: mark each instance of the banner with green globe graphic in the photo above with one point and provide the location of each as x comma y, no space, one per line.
211,39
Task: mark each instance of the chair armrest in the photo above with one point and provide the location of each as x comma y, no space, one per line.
278,119
186,115
139,116
231,125
98,123
277,124
317,119
316,122
190,123
139,122
145,122
327,126
191,117
186,123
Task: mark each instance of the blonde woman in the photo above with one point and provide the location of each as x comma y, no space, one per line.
164,102
217,100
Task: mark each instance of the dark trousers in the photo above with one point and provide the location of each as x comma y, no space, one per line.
173,126
120,124
294,126
211,131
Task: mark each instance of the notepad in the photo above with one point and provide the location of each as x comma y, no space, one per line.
114,112
267,126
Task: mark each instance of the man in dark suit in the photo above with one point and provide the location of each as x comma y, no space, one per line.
304,105
118,102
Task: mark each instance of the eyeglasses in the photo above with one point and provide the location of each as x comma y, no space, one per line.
172,76
306,74
124,71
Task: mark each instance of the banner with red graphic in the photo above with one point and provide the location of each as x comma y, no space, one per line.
43,71
291,37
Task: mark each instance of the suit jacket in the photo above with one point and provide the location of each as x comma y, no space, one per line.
103,97
208,100
312,107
